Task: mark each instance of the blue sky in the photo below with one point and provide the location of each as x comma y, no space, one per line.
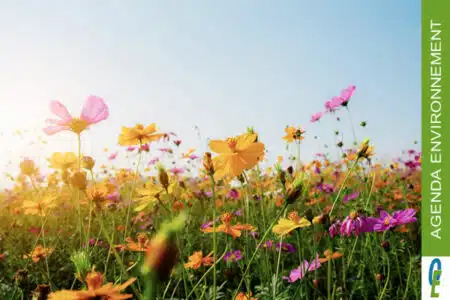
219,66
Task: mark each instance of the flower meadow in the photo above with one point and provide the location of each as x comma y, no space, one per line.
179,224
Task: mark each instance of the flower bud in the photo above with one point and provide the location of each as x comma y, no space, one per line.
78,180
27,167
294,193
88,163
208,164
163,177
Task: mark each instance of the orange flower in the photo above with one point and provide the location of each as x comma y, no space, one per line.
196,260
293,133
139,135
38,253
142,244
236,155
226,227
96,290
329,255
243,296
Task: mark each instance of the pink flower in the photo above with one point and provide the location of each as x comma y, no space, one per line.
131,148
316,117
166,150
304,268
113,156
333,104
176,171
346,94
94,111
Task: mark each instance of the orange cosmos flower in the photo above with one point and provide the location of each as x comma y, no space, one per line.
226,227
243,296
236,155
329,255
141,245
196,260
293,222
96,290
139,135
38,253
293,133
94,111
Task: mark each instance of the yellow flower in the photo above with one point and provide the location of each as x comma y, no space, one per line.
236,155
293,133
39,207
139,135
28,168
293,222
63,161
148,194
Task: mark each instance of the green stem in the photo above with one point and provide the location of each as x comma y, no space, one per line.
343,185
213,186
130,198
46,259
257,248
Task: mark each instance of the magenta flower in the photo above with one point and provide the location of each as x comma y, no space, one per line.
346,94
356,224
304,268
316,117
238,212
131,148
400,217
94,111
206,225
113,156
351,197
335,229
233,194
233,256
268,244
285,247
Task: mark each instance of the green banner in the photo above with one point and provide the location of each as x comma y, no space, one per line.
435,116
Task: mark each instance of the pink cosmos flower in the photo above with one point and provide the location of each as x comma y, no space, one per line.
400,217
333,104
94,111
346,94
175,171
113,156
316,117
304,268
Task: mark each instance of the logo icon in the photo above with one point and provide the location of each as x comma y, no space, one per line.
434,276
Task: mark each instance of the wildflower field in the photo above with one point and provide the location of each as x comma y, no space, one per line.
214,225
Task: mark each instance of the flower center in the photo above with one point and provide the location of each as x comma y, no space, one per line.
78,125
353,215
386,221
226,218
293,216
232,144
